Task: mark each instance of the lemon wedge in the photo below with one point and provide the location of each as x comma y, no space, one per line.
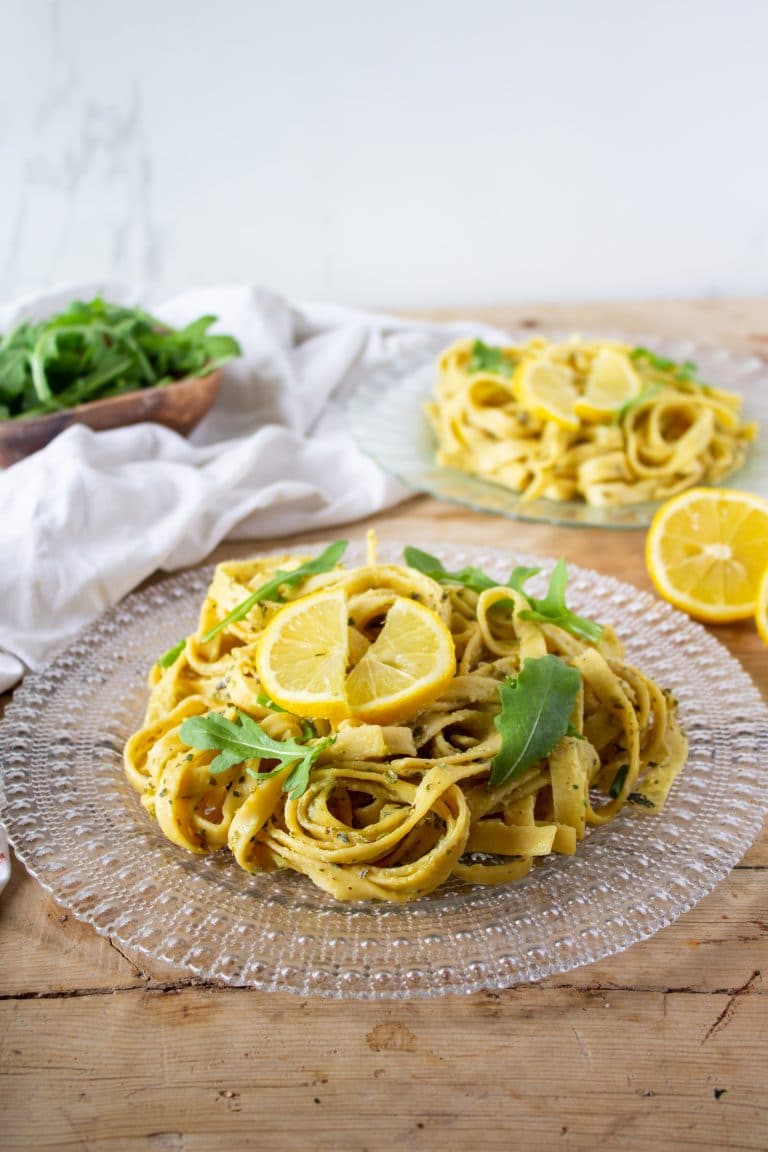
304,655
707,550
546,390
612,382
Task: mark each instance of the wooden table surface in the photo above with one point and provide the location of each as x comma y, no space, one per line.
662,1046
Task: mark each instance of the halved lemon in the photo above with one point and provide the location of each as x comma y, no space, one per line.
761,608
546,390
611,383
303,659
707,550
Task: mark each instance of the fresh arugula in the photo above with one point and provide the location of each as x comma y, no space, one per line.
325,562
554,610
485,358
95,349
536,707
308,730
248,741
171,656
469,577
618,781
647,392
686,370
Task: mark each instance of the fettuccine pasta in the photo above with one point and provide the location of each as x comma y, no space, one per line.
393,810
599,422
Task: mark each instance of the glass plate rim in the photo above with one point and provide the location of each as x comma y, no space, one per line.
37,688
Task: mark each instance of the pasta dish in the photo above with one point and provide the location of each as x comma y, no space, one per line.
600,422
385,727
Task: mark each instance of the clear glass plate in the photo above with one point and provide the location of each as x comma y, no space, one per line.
79,827
386,416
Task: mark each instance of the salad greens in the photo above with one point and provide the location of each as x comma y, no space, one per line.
94,349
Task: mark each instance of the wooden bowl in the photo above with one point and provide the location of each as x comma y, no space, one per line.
179,405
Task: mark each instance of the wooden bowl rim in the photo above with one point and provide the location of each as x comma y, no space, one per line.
40,421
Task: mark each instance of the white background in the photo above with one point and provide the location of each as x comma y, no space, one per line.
400,152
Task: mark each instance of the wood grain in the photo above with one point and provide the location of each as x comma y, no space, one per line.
662,1046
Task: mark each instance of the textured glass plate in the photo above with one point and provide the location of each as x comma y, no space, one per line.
386,417
80,829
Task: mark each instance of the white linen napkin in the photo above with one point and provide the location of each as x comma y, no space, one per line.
87,518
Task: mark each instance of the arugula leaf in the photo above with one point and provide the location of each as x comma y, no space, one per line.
618,782
95,349
308,730
265,702
470,577
645,393
248,741
686,370
486,358
553,609
325,562
536,708
171,656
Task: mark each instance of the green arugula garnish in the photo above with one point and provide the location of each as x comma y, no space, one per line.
469,577
325,562
172,655
486,358
96,349
247,741
681,371
308,730
536,707
647,392
618,782
553,609
265,702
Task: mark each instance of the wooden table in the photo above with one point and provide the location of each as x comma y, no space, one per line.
662,1047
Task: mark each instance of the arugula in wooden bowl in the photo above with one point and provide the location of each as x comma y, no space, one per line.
104,365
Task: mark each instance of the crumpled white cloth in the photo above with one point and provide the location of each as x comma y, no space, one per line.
87,518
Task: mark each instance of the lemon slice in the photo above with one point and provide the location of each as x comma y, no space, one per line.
405,668
546,390
611,383
303,656
707,550
761,608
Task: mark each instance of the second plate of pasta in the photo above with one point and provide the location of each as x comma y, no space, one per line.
593,430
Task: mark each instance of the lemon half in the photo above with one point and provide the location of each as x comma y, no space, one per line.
707,550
